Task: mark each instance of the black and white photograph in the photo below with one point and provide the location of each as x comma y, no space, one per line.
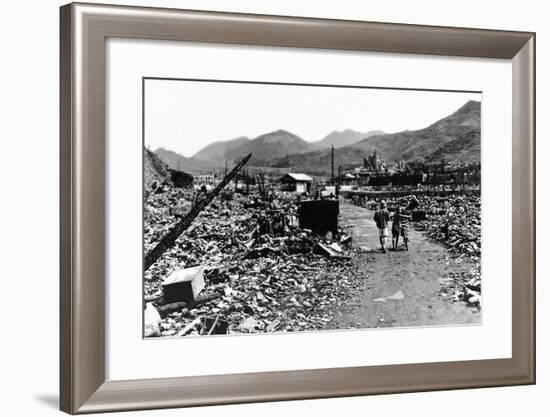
272,207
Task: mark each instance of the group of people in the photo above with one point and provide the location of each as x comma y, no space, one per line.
399,227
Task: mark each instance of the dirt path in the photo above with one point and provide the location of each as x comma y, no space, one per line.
401,288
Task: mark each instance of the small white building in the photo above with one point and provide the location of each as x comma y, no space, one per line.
296,183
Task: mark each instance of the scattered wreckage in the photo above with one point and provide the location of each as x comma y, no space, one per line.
242,264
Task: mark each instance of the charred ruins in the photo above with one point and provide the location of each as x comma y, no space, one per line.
258,252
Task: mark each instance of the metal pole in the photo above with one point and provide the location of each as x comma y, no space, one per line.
332,165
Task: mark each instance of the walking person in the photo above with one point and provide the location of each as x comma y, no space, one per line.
395,228
399,227
382,217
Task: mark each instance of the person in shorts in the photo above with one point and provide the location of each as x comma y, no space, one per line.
381,218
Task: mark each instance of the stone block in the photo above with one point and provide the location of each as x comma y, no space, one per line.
183,285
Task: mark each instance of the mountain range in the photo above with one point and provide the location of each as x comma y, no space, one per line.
341,138
277,144
455,137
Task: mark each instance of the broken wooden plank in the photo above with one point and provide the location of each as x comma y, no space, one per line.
273,326
216,325
166,309
329,252
189,327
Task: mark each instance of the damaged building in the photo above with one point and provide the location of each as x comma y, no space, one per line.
296,183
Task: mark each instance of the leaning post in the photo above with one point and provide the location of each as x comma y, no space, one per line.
170,238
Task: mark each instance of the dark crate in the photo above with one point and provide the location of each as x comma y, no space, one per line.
319,216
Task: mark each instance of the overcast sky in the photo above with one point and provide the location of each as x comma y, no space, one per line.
185,116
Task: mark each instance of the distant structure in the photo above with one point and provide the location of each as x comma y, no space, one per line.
208,180
401,165
373,163
296,183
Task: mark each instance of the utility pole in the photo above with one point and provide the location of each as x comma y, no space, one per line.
338,181
332,165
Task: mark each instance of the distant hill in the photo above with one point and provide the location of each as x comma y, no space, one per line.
465,148
154,170
263,148
341,138
219,150
180,163
271,145
457,137
424,143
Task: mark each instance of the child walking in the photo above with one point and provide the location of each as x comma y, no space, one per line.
382,217
399,227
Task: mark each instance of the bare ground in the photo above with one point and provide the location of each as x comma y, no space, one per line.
400,288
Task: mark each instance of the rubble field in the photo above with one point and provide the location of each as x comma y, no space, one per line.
262,273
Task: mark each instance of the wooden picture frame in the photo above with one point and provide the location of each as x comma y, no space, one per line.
84,30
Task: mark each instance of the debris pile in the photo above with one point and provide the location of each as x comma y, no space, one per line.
455,221
463,287
262,273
